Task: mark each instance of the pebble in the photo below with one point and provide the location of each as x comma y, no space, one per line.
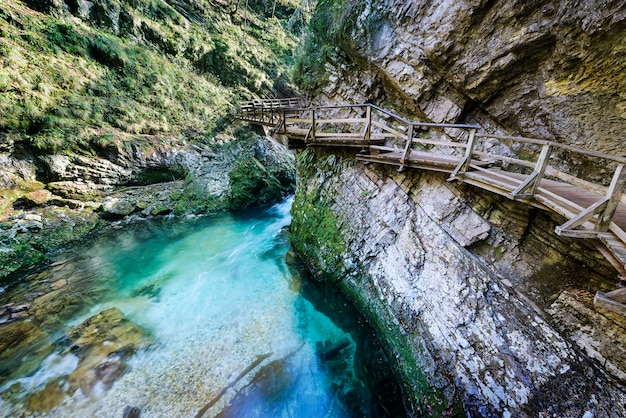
58,284
33,296
18,315
19,308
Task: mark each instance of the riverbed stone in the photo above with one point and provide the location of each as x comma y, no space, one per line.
103,344
15,337
45,400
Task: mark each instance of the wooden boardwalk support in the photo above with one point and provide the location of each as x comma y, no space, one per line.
593,211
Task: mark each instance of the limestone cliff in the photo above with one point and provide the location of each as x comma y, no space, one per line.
547,69
473,294
475,297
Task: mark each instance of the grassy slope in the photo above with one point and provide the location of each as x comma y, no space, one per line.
66,83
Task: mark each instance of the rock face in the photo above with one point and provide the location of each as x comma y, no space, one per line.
545,69
474,296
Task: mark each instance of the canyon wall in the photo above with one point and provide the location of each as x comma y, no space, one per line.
478,301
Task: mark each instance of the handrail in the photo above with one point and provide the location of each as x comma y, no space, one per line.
391,138
293,104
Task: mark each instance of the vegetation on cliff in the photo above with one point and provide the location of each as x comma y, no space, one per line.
71,78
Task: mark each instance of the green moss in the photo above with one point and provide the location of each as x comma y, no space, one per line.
62,226
251,184
330,35
195,199
316,233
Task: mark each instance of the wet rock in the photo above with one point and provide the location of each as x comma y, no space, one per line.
437,293
18,315
81,191
47,399
330,351
54,307
131,412
19,308
35,198
15,337
116,208
103,343
150,290
70,203
58,284
29,222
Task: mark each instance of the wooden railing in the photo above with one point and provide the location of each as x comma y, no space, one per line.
270,112
518,167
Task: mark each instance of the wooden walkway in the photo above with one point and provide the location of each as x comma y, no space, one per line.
523,169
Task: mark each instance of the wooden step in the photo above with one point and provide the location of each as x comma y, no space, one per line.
615,246
612,301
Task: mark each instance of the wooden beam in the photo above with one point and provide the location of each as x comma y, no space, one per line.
582,217
368,125
407,148
614,194
465,162
426,141
532,182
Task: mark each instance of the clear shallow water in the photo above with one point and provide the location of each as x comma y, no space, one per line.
228,330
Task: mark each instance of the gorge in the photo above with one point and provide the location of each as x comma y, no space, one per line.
464,285
480,307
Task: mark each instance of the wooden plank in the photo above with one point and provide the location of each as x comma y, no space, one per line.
506,159
601,300
618,231
426,141
390,130
583,184
491,172
345,120
385,148
521,139
338,135
479,177
616,188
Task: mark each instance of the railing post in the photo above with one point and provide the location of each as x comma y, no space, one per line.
407,148
467,158
284,118
532,182
368,127
614,194
313,123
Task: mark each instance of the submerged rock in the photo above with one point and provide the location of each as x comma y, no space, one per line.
102,343
131,412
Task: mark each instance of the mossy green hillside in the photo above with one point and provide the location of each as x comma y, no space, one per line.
67,82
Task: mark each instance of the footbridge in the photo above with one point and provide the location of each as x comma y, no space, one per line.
528,170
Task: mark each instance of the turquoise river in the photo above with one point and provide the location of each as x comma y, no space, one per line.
201,317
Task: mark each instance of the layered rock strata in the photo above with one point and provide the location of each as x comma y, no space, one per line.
474,296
